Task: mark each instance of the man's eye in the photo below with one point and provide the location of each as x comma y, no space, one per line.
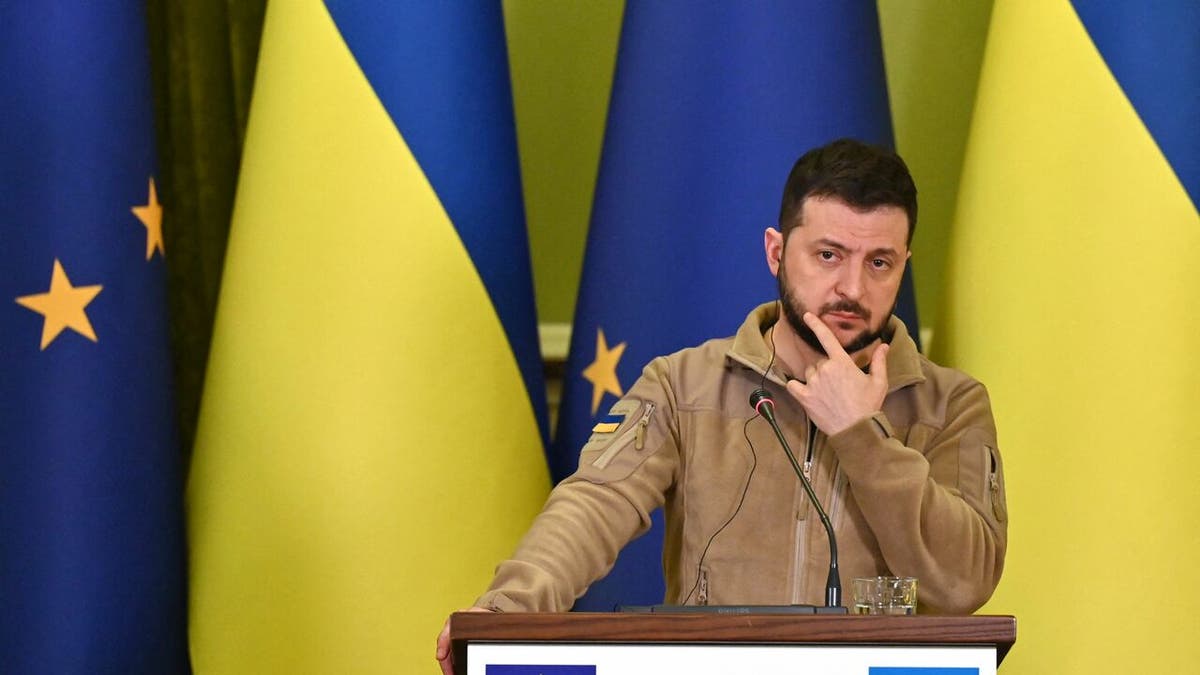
880,264
826,255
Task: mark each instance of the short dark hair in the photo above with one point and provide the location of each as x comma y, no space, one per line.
861,175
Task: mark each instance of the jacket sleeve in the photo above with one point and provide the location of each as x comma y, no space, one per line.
623,476
937,509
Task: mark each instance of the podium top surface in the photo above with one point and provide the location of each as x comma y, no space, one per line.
588,627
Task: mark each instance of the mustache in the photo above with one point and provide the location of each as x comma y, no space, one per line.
847,307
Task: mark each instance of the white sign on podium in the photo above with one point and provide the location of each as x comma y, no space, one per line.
726,659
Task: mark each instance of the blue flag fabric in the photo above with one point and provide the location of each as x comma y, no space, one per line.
1137,41
464,111
711,106
91,540
1084,148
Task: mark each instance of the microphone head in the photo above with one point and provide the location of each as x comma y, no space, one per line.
760,396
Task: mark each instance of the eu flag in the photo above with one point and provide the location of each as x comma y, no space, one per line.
91,541
712,103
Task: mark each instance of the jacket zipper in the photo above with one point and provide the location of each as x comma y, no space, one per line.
639,432
808,455
833,505
834,500
798,559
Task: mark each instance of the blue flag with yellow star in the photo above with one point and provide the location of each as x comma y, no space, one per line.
711,106
91,541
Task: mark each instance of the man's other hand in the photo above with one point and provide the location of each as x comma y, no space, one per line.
444,657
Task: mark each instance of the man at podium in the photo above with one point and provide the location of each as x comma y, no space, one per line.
901,452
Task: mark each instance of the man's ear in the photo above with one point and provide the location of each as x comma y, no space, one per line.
773,246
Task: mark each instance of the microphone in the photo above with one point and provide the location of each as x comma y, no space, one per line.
764,405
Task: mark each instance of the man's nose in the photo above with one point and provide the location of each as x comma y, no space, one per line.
850,282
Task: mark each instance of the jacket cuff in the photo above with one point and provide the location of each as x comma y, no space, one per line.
498,602
864,433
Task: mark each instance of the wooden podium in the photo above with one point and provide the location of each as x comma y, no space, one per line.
701,643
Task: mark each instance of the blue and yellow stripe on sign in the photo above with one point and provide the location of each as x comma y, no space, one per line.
911,670
1071,295
520,669
368,447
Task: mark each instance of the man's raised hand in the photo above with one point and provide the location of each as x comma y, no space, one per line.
836,393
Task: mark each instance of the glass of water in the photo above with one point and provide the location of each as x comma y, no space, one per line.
885,595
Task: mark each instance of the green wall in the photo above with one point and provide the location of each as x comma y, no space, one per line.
562,56
932,50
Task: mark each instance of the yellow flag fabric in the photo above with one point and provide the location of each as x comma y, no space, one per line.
1070,294
367,450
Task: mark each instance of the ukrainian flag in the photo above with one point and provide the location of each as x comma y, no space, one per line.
1071,295
712,103
91,517
369,443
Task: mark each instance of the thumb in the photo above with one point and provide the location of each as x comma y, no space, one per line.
879,373
797,389
443,642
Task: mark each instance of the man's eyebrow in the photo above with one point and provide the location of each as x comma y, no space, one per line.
829,243
837,245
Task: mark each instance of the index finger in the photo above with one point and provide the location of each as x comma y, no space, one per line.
828,340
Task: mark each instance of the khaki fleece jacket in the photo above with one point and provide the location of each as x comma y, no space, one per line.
916,489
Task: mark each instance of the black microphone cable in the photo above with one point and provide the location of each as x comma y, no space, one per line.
753,465
741,501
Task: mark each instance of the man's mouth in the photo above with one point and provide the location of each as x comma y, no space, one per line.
844,317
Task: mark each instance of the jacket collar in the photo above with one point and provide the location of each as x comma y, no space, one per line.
752,350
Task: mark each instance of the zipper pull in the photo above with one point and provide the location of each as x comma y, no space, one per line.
640,435
810,451
994,485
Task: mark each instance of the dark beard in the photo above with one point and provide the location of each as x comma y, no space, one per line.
794,311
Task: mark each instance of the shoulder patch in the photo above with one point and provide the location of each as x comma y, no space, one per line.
616,417
625,427
611,422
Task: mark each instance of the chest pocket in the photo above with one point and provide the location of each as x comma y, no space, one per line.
620,442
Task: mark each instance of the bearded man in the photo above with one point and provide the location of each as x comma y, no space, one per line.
902,452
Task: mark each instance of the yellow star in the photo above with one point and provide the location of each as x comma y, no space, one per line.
602,373
62,306
151,216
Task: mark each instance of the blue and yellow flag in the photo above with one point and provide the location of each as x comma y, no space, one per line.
369,445
1071,295
91,521
711,106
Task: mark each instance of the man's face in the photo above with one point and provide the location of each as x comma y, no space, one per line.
845,266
